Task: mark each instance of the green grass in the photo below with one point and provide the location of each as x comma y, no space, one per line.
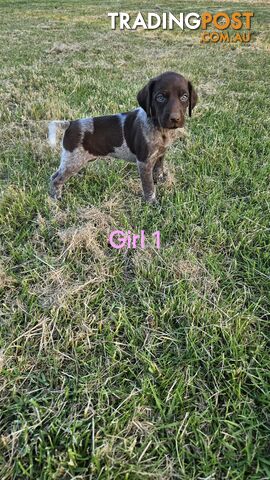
133,364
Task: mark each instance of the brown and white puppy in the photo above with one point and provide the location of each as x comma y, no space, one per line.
140,136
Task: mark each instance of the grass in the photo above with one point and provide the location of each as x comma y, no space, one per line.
133,364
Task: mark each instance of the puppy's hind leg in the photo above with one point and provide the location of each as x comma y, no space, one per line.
71,163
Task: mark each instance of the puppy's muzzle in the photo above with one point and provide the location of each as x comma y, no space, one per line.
174,120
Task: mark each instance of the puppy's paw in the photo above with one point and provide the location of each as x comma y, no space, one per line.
55,193
151,200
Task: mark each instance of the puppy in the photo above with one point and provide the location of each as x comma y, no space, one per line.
140,136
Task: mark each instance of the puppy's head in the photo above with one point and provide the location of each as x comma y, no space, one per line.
166,99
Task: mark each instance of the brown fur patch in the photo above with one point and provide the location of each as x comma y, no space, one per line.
72,136
106,136
134,137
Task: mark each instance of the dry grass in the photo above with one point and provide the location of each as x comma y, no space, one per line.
5,279
64,48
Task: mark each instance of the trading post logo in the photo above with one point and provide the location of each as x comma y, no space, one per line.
222,21
213,26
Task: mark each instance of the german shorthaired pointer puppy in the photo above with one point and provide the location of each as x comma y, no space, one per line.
140,136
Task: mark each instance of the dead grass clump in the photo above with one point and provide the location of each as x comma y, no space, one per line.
141,424
64,47
60,216
58,286
84,236
196,274
134,185
53,289
99,217
208,88
91,234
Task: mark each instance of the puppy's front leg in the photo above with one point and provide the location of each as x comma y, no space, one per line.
146,175
158,172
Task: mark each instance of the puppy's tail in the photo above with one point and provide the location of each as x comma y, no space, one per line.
53,127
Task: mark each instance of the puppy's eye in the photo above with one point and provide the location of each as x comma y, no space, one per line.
160,98
184,98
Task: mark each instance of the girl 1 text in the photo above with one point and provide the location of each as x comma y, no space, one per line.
119,239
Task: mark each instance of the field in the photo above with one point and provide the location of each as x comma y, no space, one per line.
135,363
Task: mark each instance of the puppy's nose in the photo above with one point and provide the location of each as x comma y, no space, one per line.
175,118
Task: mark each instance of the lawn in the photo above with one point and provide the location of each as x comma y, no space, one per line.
134,363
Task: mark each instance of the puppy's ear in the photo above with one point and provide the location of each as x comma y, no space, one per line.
193,98
144,97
